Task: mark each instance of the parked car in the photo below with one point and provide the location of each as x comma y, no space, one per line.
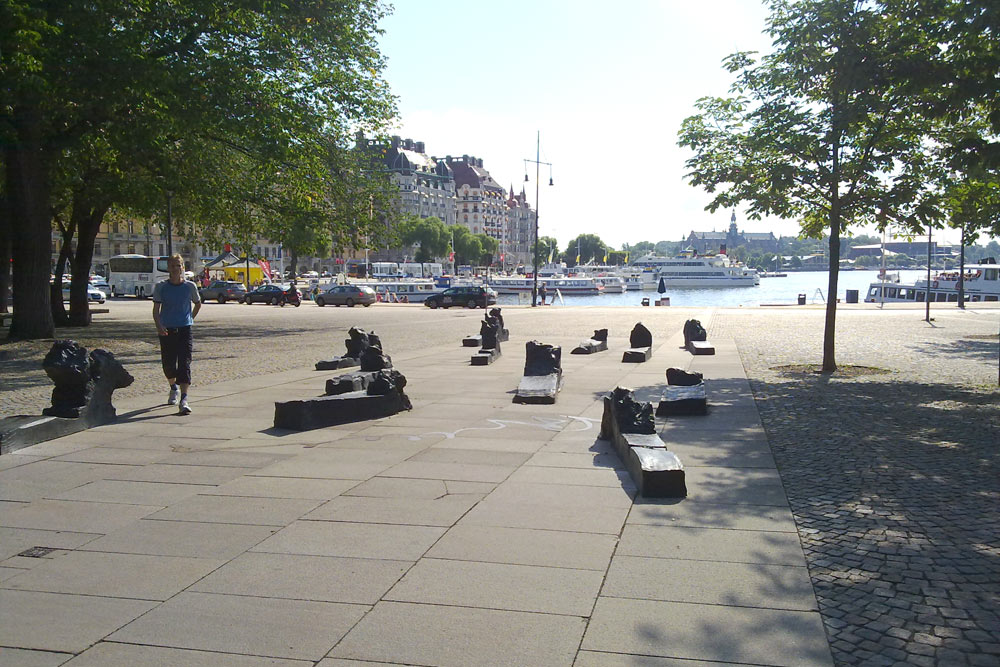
275,295
469,296
223,290
93,294
101,284
345,295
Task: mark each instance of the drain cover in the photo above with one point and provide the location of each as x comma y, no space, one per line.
37,552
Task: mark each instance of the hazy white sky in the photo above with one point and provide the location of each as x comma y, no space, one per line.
606,83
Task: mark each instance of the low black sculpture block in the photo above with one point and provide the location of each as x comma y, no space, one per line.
354,381
472,341
81,398
696,338
359,341
682,378
383,397
680,400
373,359
629,426
489,336
640,343
597,343
542,374
693,331
503,335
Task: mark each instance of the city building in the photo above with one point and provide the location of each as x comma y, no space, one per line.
520,231
480,202
704,242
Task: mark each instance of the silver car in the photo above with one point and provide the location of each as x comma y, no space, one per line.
345,295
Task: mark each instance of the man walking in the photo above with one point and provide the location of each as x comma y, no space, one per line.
173,315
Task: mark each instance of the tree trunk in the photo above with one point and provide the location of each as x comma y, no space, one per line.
88,223
293,261
30,222
961,272
59,316
830,327
5,232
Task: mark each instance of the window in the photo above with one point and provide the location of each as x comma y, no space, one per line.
118,248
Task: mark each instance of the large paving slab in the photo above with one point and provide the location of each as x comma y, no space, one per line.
182,538
461,637
708,632
297,577
113,654
356,540
60,622
268,627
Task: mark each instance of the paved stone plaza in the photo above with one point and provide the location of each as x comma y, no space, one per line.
830,520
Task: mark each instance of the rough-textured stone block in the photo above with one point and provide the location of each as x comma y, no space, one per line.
343,384
681,378
542,374
629,426
485,357
701,347
693,331
81,398
598,343
637,355
383,397
472,341
337,363
683,400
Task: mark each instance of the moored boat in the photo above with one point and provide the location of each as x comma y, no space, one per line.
981,283
690,270
567,286
412,291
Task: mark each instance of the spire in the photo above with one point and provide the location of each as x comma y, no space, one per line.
733,219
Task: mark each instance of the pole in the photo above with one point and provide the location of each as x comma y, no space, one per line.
927,298
881,292
961,272
170,240
538,166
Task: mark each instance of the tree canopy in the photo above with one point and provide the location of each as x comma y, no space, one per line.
244,112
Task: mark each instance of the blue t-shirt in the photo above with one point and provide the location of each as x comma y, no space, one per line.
175,302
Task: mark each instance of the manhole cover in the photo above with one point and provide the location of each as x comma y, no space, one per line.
37,552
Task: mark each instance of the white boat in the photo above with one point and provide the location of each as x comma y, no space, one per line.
689,270
567,286
611,284
982,283
410,290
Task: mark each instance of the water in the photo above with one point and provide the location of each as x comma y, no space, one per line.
770,290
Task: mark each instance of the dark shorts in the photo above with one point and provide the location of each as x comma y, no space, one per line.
175,353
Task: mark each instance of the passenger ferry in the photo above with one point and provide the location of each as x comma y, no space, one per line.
690,270
606,275
982,283
409,290
567,286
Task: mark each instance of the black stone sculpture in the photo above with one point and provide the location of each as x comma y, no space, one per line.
696,338
359,341
542,374
628,425
489,335
682,378
640,345
373,359
503,335
81,398
597,343
383,397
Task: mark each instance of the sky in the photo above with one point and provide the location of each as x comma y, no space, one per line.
605,85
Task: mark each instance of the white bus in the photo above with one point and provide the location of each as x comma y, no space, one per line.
136,274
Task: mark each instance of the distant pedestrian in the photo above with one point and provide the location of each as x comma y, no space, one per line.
542,293
174,315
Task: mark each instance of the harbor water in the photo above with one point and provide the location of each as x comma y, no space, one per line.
770,291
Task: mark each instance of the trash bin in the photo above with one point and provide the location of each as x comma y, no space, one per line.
645,301
802,299
852,296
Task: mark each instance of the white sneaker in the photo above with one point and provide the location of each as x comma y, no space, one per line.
185,409
175,392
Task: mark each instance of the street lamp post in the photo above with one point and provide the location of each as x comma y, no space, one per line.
538,164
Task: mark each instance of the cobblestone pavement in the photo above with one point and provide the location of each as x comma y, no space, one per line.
893,478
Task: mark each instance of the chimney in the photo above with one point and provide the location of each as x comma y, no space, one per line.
395,141
408,144
418,146
465,159
479,163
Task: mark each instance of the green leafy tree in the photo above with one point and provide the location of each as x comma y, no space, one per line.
490,247
548,250
231,106
468,246
432,235
589,248
814,130
639,249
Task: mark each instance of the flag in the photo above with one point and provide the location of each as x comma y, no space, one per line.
266,266
451,256
605,261
577,259
626,257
